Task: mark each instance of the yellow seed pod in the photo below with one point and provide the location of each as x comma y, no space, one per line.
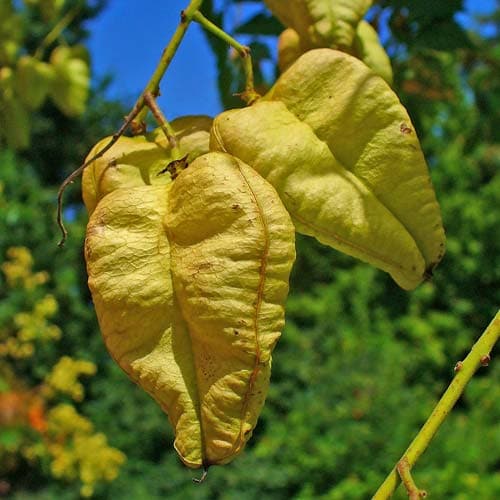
137,161
334,25
189,281
128,263
321,23
232,247
341,151
289,48
368,48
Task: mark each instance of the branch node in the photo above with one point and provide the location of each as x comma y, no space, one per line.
138,127
403,468
248,96
485,360
465,371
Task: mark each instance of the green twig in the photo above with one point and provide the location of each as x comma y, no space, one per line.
58,28
249,95
133,118
168,54
76,173
478,356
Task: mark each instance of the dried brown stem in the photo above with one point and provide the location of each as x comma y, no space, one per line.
169,132
128,120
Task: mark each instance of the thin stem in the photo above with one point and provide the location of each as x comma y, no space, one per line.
76,173
58,28
477,357
250,95
133,118
169,52
164,124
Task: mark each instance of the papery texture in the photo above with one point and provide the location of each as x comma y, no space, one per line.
232,246
321,23
341,151
136,161
368,48
128,263
189,281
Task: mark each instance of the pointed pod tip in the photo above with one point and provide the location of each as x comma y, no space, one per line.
203,476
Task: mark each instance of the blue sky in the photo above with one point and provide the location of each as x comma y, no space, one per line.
127,40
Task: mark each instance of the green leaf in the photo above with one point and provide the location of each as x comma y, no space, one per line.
445,36
11,32
15,124
70,87
260,24
427,12
33,80
11,438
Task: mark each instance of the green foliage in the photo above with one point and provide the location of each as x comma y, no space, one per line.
427,25
230,74
39,59
37,377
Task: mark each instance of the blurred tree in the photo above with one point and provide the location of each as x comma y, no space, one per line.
44,85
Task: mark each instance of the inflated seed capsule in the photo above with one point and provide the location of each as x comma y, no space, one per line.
336,143
189,281
232,248
137,161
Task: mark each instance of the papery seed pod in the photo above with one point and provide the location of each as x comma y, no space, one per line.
137,161
335,25
128,263
232,248
189,281
321,23
368,48
329,136
289,48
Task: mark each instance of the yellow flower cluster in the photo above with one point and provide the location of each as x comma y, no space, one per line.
64,376
31,327
65,438
79,453
18,269
28,327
